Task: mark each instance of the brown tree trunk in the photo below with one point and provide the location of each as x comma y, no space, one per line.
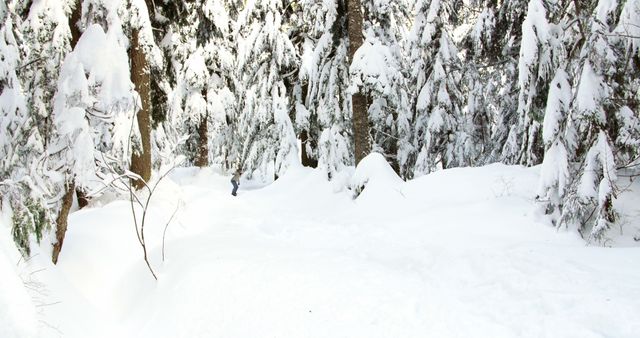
83,200
76,15
202,158
61,221
360,126
141,158
358,100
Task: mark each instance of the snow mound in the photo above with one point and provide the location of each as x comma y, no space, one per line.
17,312
374,178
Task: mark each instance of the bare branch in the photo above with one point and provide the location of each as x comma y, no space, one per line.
133,212
48,304
164,233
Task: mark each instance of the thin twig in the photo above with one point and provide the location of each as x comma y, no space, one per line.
34,272
133,212
51,327
164,233
48,304
31,62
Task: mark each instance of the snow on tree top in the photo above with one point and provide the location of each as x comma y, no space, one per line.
373,66
106,61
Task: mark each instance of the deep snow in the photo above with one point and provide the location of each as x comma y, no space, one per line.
457,253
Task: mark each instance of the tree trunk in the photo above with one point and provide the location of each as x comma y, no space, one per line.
83,200
306,159
141,158
61,221
358,100
360,126
76,15
202,158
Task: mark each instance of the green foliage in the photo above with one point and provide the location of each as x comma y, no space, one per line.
30,216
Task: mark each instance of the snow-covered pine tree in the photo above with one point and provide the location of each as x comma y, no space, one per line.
627,40
559,139
265,56
378,71
187,105
21,144
477,118
172,22
192,115
478,81
438,138
93,111
322,109
589,204
540,53
220,60
491,48
201,61
47,33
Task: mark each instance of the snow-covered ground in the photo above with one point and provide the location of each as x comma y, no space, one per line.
458,253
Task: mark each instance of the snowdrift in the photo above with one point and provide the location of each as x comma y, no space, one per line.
457,253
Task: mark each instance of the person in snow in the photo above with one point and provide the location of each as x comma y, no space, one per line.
235,181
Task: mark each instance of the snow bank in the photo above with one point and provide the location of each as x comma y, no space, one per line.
17,311
456,253
37,299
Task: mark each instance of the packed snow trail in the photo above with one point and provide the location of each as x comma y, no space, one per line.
457,253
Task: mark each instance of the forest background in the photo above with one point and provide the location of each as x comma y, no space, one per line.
98,95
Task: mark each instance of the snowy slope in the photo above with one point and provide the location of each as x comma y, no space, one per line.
457,253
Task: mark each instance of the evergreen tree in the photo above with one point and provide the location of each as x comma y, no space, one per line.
21,145
627,41
491,48
323,106
265,55
559,139
589,203
438,137
379,70
541,51
479,83
93,112
219,55
47,32
201,57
